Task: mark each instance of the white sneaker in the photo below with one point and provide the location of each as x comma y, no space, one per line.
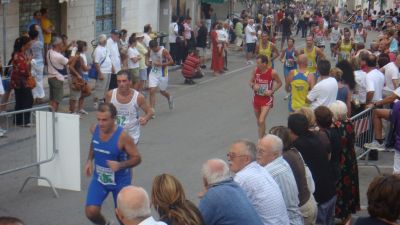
171,102
286,97
375,145
154,113
82,111
96,105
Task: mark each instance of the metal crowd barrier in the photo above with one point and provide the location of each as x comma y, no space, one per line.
18,145
364,132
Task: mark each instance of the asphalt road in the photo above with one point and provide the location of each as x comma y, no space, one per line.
208,117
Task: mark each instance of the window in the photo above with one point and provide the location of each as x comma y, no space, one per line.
105,16
28,7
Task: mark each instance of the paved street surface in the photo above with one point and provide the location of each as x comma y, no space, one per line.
208,117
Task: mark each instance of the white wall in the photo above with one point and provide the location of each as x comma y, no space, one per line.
12,28
81,20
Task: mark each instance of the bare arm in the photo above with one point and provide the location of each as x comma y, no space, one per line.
320,53
146,108
275,52
348,103
277,83
370,95
166,55
311,80
108,96
134,159
288,80
89,162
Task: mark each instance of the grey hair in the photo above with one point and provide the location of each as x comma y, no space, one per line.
250,148
212,176
102,37
55,41
276,143
140,212
339,110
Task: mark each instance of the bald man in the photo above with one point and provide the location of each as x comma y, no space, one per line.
134,207
298,83
223,201
269,156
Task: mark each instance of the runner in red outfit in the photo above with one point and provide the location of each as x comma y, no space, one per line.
265,82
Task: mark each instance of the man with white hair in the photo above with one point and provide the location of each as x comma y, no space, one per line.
257,183
104,67
269,155
224,202
134,207
251,39
57,63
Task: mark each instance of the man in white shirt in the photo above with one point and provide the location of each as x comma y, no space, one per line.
134,207
146,34
104,67
173,34
375,81
269,156
391,71
251,38
57,70
112,47
325,91
261,189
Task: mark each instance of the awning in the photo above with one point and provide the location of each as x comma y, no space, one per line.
213,1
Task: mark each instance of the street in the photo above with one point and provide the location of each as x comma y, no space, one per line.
207,118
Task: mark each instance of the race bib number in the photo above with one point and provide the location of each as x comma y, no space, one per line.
156,71
290,63
261,90
344,55
310,64
121,120
359,39
105,175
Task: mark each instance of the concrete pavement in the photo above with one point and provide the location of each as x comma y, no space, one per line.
208,117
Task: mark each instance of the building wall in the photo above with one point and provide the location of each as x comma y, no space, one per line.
80,20
12,28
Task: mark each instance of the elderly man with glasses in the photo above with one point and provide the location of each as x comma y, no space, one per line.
257,183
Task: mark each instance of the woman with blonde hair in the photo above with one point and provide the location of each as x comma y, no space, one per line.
309,114
347,187
168,198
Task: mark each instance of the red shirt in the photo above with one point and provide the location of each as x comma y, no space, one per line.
21,69
190,65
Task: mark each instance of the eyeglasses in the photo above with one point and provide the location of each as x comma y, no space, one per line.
233,155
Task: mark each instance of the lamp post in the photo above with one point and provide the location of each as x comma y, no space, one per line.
4,4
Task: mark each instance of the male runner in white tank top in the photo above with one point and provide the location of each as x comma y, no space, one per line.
158,76
128,101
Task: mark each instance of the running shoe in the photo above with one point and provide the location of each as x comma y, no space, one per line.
375,145
82,111
96,105
154,113
286,97
171,103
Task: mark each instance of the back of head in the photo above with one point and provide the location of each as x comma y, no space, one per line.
323,116
153,43
298,124
324,66
384,196
339,110
302,60
169,199
8,220
309,114
249,147
371,61
133,203
283,133
383,59
347,73
215,171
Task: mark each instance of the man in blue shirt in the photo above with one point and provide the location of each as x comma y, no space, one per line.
224,202
36,20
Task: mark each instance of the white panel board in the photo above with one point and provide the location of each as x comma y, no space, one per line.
65,170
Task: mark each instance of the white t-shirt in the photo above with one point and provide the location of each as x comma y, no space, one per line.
132,53
323,93
58,61
112,47
397,92
102,57
173,31
360,92
375,82
391,73
146,39
250,38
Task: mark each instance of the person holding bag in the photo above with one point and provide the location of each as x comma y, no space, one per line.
79,88
22,81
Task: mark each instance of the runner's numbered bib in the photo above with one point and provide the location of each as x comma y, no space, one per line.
158,71
289,63
105,175
344,55
310,64
261,90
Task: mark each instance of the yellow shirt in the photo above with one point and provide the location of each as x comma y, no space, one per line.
345,50
46,24
311,60
267,51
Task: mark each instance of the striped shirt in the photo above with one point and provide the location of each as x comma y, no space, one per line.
283,175
264,194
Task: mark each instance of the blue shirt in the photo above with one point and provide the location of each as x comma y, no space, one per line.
108,150
34,21
225,203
